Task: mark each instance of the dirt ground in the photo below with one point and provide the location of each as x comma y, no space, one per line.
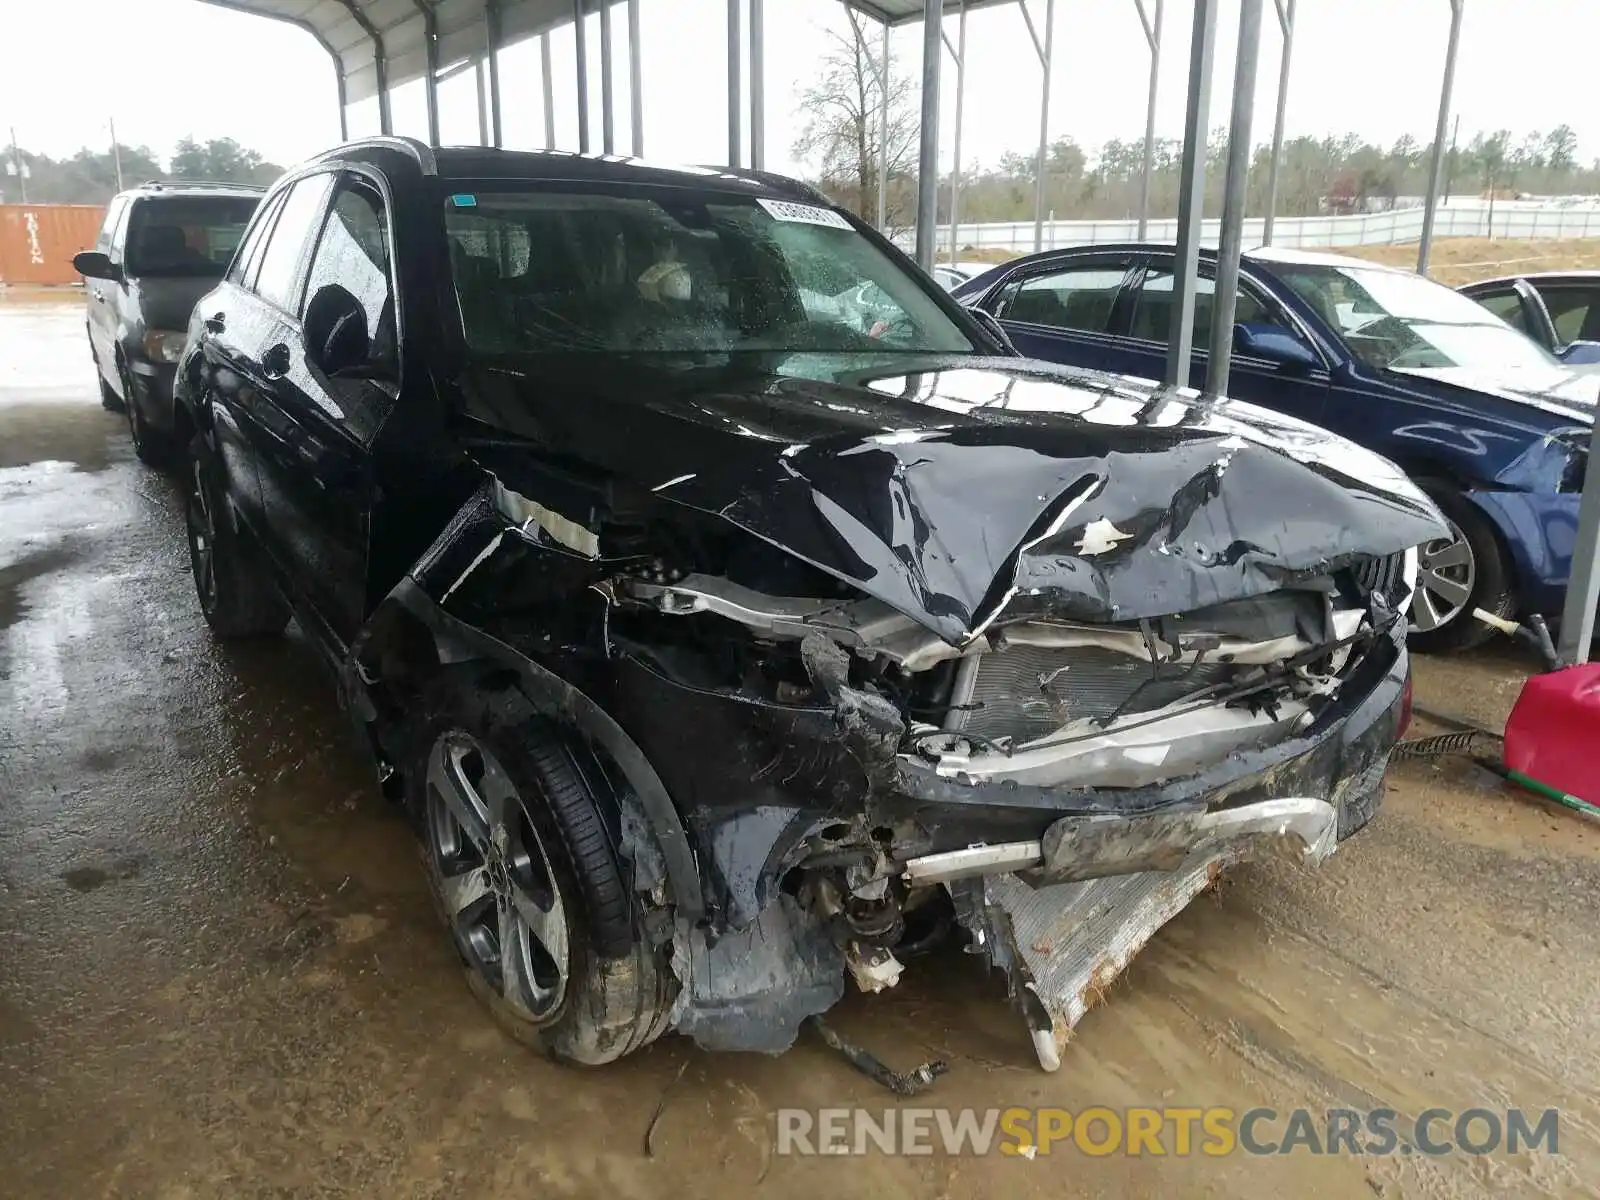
220,974
1456,261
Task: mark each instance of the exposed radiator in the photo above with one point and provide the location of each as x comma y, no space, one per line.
1025,692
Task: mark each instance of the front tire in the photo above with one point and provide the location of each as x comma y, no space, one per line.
1457,574
526,874
236,597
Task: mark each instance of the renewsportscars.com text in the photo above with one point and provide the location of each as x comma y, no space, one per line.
1174,1131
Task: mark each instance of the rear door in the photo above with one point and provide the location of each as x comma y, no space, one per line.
337,377
1071,312
1300,392
102,294
246,318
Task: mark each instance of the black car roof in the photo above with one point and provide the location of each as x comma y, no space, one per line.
1538,276
486,162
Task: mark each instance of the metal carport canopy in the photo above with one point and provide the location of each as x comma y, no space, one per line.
369,38
353,31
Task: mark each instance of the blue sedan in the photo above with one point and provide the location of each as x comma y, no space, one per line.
1488,423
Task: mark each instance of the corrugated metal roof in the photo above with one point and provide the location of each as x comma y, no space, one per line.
352,30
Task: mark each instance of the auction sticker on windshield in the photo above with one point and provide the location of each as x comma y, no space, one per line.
806,214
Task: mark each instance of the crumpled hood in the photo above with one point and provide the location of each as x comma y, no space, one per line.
1565,391
1101,498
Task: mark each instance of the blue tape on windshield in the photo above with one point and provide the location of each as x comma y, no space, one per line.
464,200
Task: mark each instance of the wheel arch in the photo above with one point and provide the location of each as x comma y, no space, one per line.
410,643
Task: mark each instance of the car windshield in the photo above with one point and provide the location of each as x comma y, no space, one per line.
662,270
185,235
1393,320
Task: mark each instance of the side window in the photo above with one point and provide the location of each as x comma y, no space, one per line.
350,272
1508,307
119,233
102,243
297,222
245,258
1574,313
1076,298
1152,313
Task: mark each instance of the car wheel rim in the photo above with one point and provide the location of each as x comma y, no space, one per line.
1447,572
496,885
202,543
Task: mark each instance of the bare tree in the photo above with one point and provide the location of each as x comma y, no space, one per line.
840,135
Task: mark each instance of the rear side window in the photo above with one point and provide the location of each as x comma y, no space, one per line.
249,253
113,215
1076,298
185,236
296,225
1152,315
1508,307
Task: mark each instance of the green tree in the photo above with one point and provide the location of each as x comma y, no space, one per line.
222,160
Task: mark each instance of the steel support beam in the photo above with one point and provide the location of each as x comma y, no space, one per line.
380,63
1286,25
491,37
1583,586
883,134
635,81
1152,37
430,78
482,85
1191,192
735,90
928,151
1436,173
959,53
1219,359
608,115
1043,49
758,86
549,92
581,55
344,106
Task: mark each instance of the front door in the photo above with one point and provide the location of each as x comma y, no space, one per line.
1298,391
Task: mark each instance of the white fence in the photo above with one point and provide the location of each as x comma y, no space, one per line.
1510,219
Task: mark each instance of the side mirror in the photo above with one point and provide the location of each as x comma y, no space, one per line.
335,328
1274,343
991,323
1579,353
92,264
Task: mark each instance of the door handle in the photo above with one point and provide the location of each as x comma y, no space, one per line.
216,323
275,362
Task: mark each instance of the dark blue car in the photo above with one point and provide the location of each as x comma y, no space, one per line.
1488,423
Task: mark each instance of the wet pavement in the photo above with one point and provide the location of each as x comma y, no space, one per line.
220,974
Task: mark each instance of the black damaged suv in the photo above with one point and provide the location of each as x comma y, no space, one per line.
725,638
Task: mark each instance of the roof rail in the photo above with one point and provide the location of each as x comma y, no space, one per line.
201,183
406,145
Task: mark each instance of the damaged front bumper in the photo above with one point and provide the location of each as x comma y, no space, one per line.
1064,916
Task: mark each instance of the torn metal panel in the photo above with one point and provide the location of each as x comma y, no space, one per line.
1063,945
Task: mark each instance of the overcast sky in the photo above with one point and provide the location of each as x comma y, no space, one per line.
166,68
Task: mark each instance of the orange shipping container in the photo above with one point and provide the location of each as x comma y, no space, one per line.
37,241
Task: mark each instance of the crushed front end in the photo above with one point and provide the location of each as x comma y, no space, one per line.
1065,787
1030,681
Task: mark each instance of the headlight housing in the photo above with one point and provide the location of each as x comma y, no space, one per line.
164,345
